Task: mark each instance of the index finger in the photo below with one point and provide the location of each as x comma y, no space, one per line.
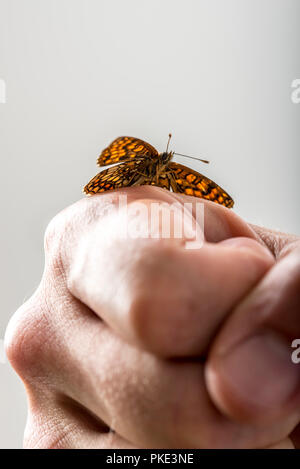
152,291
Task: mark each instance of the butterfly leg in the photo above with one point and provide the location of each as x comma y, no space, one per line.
173,182
142,174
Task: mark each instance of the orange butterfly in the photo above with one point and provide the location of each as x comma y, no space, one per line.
143,165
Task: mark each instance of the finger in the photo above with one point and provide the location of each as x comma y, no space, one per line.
59,346
277,242
155,293
251,374
151,402
219,222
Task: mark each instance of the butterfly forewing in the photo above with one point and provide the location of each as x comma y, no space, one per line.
190,182
124,148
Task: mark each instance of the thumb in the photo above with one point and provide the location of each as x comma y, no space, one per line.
250,373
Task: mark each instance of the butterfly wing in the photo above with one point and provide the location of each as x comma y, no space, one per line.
190,182
132,173
122,175
124,148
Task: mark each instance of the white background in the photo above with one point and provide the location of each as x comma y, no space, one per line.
78,73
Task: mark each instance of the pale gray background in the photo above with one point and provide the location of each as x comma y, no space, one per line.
217,73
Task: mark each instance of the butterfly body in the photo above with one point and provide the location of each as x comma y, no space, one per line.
154,169
141,164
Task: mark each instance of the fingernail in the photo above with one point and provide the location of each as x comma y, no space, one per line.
260,371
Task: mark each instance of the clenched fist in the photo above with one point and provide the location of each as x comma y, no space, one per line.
139,342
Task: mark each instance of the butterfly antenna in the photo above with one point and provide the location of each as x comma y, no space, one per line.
192,157
170,135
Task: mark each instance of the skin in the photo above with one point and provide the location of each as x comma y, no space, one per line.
169,347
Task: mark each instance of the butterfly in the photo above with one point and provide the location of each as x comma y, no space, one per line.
141,164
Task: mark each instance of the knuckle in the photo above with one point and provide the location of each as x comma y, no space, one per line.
26,338
51,233
55,235
78,215
55,231
61,229
61,224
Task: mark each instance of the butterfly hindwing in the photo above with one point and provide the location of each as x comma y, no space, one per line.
124,148
121,175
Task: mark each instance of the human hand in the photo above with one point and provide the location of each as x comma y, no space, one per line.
133,334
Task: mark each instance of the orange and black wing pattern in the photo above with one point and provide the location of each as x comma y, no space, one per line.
122,175
190,182
125,148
